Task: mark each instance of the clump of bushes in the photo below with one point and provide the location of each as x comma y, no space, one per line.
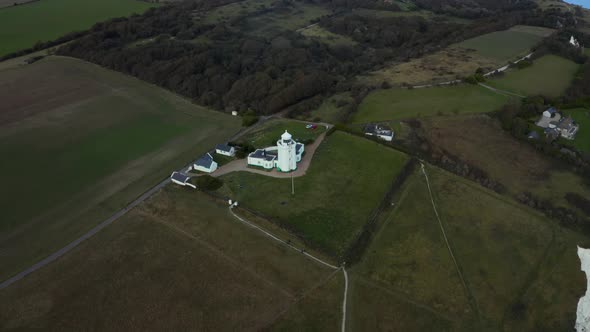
249,118
475,78
208,183
524,64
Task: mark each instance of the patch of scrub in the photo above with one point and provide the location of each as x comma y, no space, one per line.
583,313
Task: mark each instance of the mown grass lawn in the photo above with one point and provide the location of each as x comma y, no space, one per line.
507,45
22,26
582,117
395,104
269,133
347,179
550,76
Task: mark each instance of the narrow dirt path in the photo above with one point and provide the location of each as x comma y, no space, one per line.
270,235
470,296
302,251
343,324
501,92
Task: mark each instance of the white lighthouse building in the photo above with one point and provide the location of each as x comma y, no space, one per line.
284,156
287,158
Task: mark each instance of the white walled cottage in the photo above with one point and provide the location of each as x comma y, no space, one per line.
284,156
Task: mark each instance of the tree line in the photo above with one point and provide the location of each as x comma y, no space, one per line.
225,67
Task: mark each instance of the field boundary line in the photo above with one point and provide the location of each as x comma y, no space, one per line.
298,299
64,250
470,296
401,296
302,251
268,234
215,250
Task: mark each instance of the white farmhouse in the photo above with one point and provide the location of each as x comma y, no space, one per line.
574,42
181,179
225,149
556,125
205,164
284,156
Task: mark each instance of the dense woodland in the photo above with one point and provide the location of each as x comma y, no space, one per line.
228,67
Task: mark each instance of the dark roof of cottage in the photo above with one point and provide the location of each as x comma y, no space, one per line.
370,128
205,161
533,134
223,147
180,177
552,110
298,147
263,154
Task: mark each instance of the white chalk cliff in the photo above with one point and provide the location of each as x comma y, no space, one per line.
583,312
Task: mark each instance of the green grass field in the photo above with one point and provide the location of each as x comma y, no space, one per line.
269,133
508,44
550,76
395,104
329,111
87,141
519,167
507,254
345,182
178,262
582,117
318,33
22,26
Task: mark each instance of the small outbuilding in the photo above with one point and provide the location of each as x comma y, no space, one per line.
383,132
181,179
205,164
225,149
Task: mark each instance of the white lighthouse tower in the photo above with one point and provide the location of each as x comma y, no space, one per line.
287,158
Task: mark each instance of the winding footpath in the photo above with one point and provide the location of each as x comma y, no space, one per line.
302,251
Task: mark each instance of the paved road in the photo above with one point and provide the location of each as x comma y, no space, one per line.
54,256
90,233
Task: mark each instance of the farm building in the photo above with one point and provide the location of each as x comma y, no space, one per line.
181,179
555,125
225,149
381,131
284,156
574,42
205,164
